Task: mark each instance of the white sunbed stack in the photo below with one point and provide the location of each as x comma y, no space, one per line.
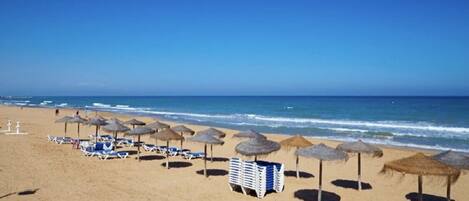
260,176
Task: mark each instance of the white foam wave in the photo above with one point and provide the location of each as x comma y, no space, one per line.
394,125
389,142
102,105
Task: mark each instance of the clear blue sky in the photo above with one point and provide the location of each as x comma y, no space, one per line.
234,48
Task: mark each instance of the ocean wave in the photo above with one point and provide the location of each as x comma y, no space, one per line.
102,105
390,142
62,105
382,124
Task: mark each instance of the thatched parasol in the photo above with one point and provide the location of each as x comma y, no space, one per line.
248,134
206,139
65,121
257,146
422,165
139,131
454,159
181,129
97,121
134,123
158,126
167,135
297,142
360,147
115,127
78,120
322,153
216,133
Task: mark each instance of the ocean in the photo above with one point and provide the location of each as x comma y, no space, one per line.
421,122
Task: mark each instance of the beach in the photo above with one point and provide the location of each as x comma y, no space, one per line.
58,172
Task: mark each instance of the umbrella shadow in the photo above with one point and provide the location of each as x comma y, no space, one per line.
177,164
426,197
151,157
291,173
213,172
131,152
351,184
218,159
312,195
21,193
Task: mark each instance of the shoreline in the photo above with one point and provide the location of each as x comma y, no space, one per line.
283,135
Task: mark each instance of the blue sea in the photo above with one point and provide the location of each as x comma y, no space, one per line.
420,122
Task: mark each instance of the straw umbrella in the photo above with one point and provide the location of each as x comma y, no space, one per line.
65,121
158,126
422,165
297,142
115,127
322,153
248,134
206,139
216,133
360,147
78,120
139,131
257,146
167,135
181,129
97,121
454,159
134,123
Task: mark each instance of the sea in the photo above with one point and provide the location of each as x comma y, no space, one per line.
439,123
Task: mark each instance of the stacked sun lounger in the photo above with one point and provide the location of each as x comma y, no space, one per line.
260,176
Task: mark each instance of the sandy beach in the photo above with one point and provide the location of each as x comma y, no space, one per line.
58,172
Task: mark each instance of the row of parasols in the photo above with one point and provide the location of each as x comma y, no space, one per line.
446,164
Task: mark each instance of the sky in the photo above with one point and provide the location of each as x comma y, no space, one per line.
163,47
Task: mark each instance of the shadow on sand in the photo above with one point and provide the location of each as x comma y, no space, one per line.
351,184
213,172
131,152
312,195
218,159
426,197
21,193
151,157
177,164
292,173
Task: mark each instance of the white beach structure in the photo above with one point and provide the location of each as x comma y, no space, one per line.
18,132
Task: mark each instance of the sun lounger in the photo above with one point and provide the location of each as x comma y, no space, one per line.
150,147
63,140
98,149
51,138
112,154
193,155
125,141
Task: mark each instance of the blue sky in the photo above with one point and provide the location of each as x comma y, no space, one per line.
234,48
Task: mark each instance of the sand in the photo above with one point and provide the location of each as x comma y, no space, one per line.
42,170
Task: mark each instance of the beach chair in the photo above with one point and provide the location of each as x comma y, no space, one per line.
161,149
193,155
125,141
149,147
51,138
107,138
98,149
173,151
113,154
63,140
